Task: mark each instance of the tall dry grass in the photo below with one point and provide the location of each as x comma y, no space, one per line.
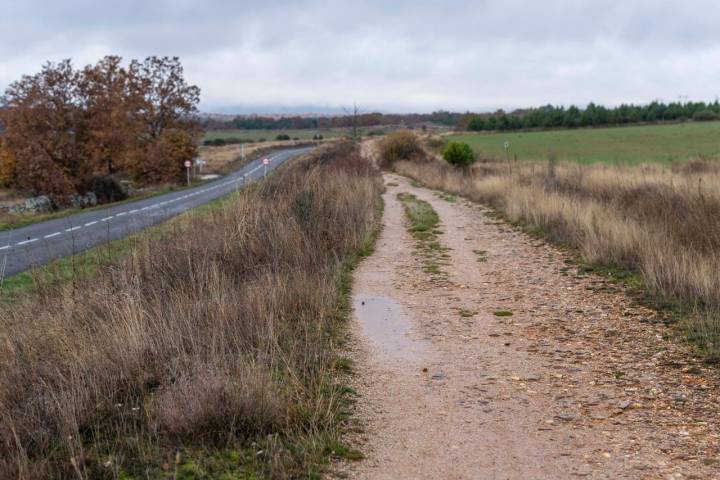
663,223
216,337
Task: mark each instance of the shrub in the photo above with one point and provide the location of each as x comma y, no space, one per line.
459,154
282,136
705,116
400,145
106,189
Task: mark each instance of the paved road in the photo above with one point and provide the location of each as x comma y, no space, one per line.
38,244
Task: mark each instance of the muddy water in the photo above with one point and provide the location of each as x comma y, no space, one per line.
388,327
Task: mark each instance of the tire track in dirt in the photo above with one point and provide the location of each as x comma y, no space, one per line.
572,385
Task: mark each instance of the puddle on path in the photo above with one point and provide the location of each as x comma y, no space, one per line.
384,322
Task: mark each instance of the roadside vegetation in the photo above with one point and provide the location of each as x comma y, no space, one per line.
207,353
400,145
654,226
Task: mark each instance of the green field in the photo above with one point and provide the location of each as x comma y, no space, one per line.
652,143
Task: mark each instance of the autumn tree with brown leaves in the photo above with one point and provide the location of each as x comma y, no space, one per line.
63,127
7,165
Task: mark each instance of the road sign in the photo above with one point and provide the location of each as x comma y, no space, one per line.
266,161
188,164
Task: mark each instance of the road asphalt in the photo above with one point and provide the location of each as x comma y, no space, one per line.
40,243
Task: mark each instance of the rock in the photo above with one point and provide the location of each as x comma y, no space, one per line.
624,405
84,201
41,204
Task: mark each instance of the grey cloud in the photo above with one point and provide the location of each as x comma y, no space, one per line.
398,55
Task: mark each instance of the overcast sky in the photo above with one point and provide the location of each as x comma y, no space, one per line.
391,55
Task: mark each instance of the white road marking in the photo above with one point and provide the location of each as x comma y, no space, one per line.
26,241
134,211
144,208
91,223
5,247
106,218
73,228
121,214
53,235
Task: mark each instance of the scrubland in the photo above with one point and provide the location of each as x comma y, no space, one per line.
210,350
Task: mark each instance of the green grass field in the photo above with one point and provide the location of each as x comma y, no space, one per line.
652,143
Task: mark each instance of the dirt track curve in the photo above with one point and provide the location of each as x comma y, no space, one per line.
576,383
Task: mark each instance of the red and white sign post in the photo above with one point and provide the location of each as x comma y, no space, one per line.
266,162
188,166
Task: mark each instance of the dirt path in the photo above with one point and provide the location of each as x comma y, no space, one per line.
572,384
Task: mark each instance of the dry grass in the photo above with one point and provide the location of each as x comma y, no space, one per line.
222,337
399,145
661,223
226,158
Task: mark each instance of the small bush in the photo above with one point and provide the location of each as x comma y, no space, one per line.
706,116
106,189
459,154
400,145
282,136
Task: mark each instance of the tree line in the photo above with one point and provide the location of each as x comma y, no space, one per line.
548,116
324,122
593,116
63,128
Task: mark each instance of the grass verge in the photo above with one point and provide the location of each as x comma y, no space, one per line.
211,356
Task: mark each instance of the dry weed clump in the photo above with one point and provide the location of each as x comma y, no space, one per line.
218,336
398,146
663,223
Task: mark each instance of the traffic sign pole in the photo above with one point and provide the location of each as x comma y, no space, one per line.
188,166
266,162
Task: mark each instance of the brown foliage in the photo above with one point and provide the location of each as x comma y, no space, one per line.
66,126
400,145
216,333
169,152
7,164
